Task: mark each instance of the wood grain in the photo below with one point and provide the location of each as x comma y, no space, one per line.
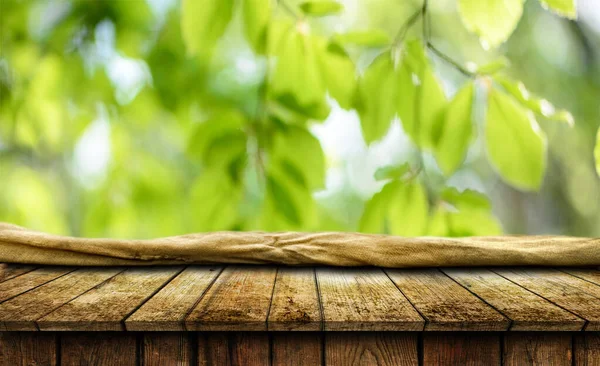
587,349
538,349
572,293
527,311
27,348
363,299
470,349
8,271
371,348
106,306
98,349
21,312
161,348
238,300
243,348
295,302
167,309
445,304
591,275
30,280
297,348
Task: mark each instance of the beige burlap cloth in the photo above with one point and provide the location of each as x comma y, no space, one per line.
20,245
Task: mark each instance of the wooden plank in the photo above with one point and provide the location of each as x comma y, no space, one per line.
295,302
162,348
538,349
98,349
30,280
106,306
297,348
445,304
27,348
371,348
167,309
239,348
453,349
591,275
587,349
21,312
8,271
572,293
527,311
364,299
239,300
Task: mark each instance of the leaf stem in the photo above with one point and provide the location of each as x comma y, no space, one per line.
288,9
449,60
406,26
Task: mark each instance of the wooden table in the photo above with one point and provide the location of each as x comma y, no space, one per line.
259,315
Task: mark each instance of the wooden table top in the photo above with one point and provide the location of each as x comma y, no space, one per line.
260,298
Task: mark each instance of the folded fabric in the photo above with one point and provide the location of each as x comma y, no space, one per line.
20,245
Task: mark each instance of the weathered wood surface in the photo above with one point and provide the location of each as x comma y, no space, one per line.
526,310
239,299
259,298
447,349
295,304
105,306
445,304
371,348
364,299
538,349
572,293
300,348
167,309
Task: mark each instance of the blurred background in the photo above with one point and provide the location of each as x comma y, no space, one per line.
100,103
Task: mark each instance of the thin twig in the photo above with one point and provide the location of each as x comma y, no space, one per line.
406,26
287,8
449,60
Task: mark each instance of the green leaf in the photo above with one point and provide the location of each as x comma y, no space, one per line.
220,140
471,215
214,201
467,199
299,148
597,152
203,22
421,100
256,15
366,38
321,8
339,74
374,215
376,104
408,210
297,80
516,146
392,171
493,67
540,106
565,8
492,21
287,195
457,129
432,104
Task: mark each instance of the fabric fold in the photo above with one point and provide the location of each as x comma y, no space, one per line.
20,245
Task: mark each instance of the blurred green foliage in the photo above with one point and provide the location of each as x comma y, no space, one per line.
148,118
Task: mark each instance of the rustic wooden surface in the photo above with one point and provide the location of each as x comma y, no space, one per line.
355,299
300,348
259,298
444,304
538,349
239,299
446,349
